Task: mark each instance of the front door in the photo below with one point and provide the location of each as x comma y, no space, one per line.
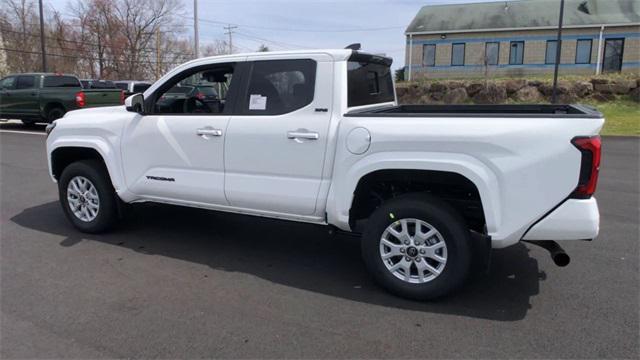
613,51
275,147
176,153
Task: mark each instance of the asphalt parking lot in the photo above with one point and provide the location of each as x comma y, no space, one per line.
182,283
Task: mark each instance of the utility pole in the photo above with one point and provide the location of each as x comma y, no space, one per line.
229,29
554,94
158,57
195,29
42,47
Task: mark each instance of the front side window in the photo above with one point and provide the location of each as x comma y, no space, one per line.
457,55
516,53
583,51
550,55
491,53
8,83
279,86
202,91
429,55
60,81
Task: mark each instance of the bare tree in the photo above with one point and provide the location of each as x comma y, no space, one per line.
18,21
218,47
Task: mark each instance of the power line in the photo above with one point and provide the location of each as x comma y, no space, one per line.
278,43
55,39
146,62
304,29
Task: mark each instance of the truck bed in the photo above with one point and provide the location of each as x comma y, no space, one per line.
528,111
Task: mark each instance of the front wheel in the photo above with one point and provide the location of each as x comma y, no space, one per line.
87,196
417,246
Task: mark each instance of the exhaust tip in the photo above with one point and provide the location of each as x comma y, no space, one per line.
561,259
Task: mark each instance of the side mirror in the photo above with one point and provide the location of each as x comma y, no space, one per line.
135,103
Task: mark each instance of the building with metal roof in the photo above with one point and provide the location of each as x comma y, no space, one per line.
518,38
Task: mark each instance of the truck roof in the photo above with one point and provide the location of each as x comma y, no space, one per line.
336,54
41,73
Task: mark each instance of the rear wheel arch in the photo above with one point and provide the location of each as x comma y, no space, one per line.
455,189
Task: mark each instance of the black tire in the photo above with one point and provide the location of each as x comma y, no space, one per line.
55,113
28,122
96,173
440,215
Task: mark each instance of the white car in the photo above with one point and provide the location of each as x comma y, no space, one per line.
318,137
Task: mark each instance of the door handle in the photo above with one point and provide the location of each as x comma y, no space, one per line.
208,131
303,135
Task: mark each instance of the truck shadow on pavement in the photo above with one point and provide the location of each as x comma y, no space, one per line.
293,254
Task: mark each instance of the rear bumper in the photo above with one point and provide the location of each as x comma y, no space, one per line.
573,220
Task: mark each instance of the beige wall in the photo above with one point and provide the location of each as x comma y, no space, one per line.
534,53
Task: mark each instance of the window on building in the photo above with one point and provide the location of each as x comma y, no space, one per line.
429,55
491,53
550,56
583,51
457,54
516,53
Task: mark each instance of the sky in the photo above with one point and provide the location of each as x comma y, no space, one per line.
289,24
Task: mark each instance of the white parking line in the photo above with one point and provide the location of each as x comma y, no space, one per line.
22,132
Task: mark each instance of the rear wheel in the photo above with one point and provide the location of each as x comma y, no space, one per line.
417,246
87,196
55,113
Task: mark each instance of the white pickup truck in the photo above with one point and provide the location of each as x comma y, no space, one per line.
318,137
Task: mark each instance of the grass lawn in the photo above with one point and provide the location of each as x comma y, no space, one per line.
622,117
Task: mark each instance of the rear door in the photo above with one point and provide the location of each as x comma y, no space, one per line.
26,96
275,147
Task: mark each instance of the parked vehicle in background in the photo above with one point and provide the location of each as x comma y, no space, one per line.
97,84
197,98
131,87
318,137
39,97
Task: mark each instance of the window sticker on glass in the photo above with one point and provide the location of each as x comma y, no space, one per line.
257,102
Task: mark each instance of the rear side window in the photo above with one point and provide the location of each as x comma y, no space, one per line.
369,83
122,86
25,82
280,86
61,81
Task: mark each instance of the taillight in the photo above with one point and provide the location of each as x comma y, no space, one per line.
80,99
591,149
200,96
121,97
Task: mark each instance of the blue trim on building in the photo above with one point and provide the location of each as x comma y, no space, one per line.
625,65
524,38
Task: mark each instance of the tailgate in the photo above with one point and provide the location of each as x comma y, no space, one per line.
97,97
